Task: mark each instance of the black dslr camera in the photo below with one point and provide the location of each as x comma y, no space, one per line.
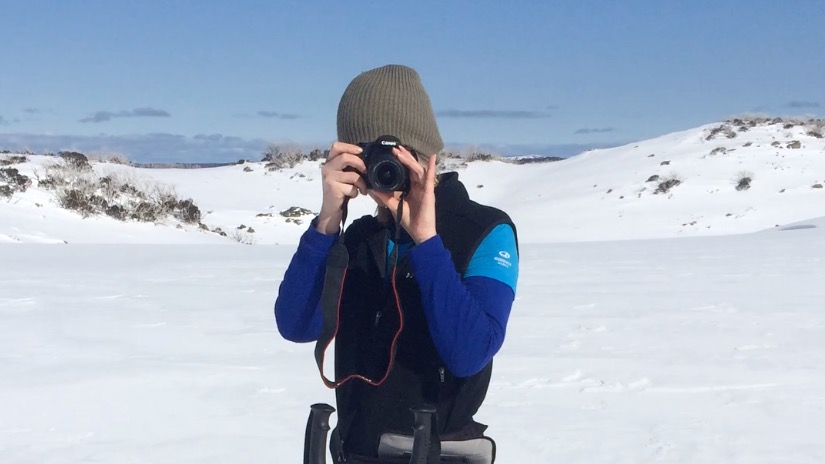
384,171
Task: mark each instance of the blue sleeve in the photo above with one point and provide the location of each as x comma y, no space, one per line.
467,318
496,257
297,308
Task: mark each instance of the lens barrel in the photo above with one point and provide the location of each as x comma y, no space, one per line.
384,171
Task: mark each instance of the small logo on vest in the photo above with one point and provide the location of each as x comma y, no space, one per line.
503,259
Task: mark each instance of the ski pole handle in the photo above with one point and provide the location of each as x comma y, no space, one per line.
424,419
315,439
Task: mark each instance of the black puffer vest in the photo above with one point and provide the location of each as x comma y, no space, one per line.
368,320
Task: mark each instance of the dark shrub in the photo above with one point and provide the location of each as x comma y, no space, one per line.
188,212
131,190
12,160
145,212
49,183
666,185
480,157
117,212
721,130
167,204
278,157
529,159
15,180
75,159
295,212
318,154
78,200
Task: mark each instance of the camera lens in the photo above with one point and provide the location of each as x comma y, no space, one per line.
388,175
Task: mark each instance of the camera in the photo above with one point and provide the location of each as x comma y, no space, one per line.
384,171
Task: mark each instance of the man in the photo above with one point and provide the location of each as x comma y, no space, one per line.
425,287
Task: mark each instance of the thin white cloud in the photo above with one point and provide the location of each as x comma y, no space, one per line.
492,114
147,112
803,104
597,130
277,115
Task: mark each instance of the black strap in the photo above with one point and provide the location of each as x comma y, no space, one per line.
336,271
398,216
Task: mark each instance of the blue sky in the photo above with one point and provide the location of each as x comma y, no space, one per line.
217,80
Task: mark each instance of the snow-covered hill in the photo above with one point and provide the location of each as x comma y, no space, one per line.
778,165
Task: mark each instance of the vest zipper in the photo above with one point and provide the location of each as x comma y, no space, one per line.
377,317
441,374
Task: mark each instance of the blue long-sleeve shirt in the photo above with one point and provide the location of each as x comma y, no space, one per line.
466,315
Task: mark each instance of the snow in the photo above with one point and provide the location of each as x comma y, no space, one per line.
633,339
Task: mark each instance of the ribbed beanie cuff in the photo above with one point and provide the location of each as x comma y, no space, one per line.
389,100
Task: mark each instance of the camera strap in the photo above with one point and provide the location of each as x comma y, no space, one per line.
332,295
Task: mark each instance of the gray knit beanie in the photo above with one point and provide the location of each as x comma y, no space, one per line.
389,100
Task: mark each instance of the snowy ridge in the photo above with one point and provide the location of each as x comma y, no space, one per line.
598,195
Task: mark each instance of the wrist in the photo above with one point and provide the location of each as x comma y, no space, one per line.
423,237
329,224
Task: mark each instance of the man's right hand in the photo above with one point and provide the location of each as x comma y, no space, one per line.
339,184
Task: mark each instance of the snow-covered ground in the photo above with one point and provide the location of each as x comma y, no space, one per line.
634,339
691,350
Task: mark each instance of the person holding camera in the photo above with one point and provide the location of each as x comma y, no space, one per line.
416,297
